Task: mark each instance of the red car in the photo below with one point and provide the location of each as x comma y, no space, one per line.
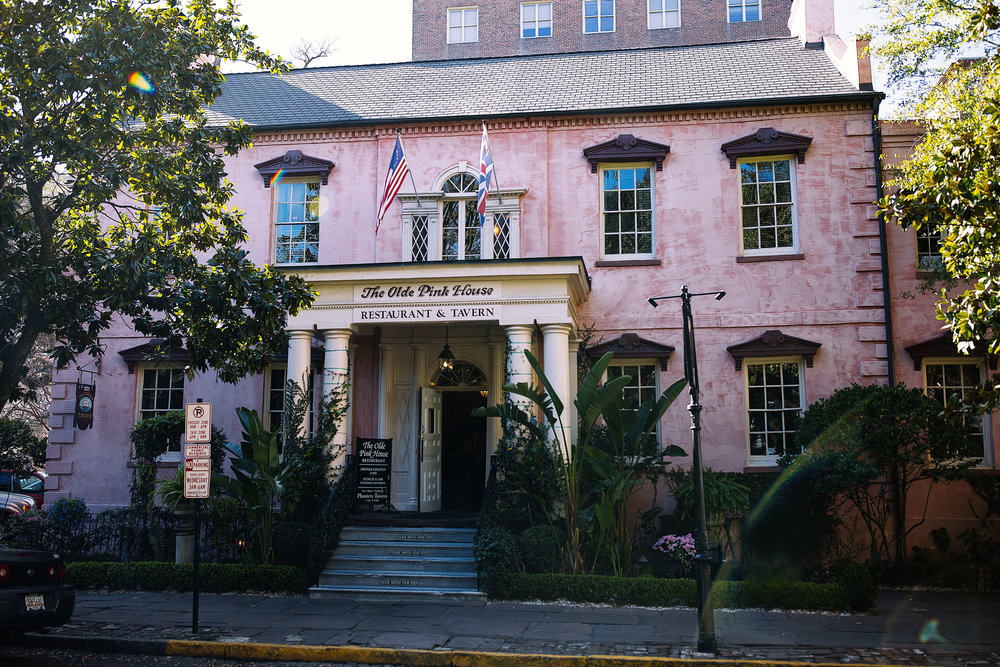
33,485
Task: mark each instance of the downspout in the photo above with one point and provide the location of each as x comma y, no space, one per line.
898,511
883,243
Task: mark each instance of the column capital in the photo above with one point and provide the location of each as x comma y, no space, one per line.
518,330
556,327
299,334
333,334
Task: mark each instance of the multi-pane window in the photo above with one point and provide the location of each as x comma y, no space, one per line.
774,407
664,14
275,399
461,233
536,19
448,227
501,236
419,243
744,10
767,206
162,391
641,388
598,16
627,211
945,379
296,218
463,25
928,247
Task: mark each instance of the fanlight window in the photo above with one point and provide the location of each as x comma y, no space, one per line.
464,374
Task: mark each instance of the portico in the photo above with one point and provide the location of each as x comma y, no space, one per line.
490,312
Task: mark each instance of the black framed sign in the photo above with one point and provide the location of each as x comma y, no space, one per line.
374,469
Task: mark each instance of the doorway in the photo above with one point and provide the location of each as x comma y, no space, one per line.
463,451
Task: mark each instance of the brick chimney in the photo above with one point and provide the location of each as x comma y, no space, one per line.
809,20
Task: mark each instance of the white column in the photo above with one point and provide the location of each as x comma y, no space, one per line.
336,374
299,351
518,368
555,344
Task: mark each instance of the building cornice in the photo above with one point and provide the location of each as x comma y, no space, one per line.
439,127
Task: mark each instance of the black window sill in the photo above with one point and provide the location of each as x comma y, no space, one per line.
628,262
751,259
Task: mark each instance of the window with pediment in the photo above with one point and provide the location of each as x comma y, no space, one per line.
445,226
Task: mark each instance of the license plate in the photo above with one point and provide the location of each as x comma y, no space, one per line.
34,602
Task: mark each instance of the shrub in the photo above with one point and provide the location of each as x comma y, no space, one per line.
214,577
648,591
539,549
858,587
291,543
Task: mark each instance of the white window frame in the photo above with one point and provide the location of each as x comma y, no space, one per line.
170,455
930,236
654,391
987,444
269,390
794,248
464,27
614,17
663,12
535,21
743,4
276,202
769,459
431,205
616,166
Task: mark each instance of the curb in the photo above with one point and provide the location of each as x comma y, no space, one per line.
446,658
383,656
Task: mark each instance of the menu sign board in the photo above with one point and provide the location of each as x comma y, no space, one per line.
374,468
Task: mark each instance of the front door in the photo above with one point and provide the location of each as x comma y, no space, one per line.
463,468
430,450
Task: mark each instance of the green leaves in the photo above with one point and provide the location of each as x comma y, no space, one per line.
85,157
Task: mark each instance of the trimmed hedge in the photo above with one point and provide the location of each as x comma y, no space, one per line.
652,592
214,577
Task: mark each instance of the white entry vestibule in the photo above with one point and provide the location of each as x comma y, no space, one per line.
488,312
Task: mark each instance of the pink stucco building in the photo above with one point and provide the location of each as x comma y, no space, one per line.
745,166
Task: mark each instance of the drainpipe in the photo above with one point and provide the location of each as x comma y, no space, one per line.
897,509
883,245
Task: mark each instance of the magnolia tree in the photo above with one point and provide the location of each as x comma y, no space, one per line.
113,198
952,182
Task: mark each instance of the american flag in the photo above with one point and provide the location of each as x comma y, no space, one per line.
485,176
398,170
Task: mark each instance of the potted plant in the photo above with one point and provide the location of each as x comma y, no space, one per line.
170,492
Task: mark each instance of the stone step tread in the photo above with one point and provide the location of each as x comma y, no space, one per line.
404,559
408,591
397,543
400,573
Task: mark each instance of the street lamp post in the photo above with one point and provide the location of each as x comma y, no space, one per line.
704,558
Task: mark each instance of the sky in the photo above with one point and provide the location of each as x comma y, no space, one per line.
378,31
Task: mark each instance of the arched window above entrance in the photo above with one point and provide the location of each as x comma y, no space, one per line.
463,375
443,225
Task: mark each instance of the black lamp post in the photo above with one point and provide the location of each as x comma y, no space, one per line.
704,558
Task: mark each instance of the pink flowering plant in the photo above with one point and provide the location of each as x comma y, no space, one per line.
679,548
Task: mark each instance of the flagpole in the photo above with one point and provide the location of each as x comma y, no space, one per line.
499,194
410,173
375,231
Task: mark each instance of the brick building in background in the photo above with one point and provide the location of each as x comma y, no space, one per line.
449,29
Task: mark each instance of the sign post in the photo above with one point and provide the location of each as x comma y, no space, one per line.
197,480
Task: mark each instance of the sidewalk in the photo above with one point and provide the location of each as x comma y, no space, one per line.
923,627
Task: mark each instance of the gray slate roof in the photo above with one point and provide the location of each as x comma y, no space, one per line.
675,77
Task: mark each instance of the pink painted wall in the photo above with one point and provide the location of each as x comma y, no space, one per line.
832,295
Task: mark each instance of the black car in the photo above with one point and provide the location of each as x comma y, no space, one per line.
32,592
